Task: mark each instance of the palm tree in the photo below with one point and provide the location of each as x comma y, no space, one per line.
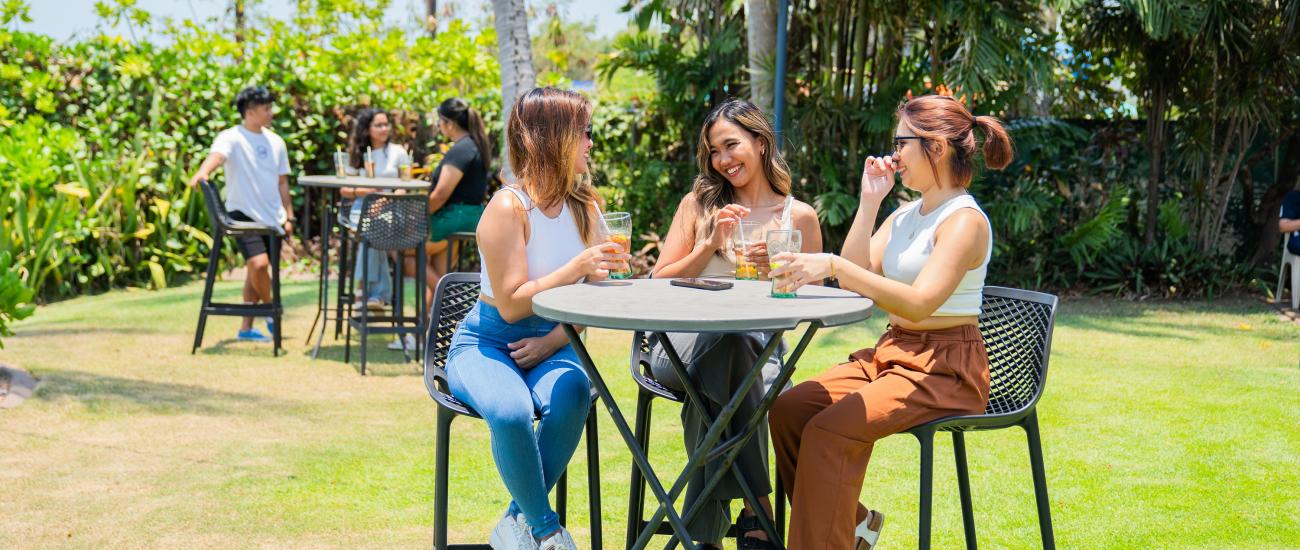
760,29
515,53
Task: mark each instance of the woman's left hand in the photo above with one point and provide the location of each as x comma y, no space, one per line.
802,269
529,352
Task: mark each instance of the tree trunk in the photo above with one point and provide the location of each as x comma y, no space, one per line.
1156,127
431,19
515,54
760,33
239,26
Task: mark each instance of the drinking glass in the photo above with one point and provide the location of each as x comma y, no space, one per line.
404,172
743,240
341,164
779,241
617,227
370,164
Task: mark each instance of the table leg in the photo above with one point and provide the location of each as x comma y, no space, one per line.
323,304
638,457
711,437
727,450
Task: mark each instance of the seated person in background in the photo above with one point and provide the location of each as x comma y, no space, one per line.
371,134
257,190
1289,223
460,182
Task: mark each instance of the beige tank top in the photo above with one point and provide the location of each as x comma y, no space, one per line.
723,264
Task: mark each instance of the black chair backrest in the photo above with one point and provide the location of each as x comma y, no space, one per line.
394,222
454,296
1017,329
217,213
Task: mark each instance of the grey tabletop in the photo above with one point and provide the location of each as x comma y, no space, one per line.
655,305
331,181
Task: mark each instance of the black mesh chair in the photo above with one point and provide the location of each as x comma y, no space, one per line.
224,226
391,222
648,389
1017,329
456,244
455,295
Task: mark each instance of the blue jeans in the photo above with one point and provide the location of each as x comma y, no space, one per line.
481,373
378,284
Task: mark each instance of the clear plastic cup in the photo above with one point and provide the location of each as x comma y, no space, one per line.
340,164
780,241
617,227
743,242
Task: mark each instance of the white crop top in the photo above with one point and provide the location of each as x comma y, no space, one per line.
911,240
552,242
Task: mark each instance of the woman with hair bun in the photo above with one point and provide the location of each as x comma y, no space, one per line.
925,267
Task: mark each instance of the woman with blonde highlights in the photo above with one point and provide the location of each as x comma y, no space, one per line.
925,266
506,363
742,176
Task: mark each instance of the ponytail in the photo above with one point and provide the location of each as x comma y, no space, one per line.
458,111
997,142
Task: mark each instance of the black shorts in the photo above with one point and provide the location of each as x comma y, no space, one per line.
250,246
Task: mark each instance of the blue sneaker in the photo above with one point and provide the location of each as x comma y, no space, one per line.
270,325
253,335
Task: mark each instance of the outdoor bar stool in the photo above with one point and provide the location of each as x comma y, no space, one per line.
455,295
348,246
456,246
647,389
1017,329
224,226
391,222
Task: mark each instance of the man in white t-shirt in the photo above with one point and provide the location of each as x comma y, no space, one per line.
257,190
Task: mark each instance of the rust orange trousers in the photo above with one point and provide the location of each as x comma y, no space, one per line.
823,429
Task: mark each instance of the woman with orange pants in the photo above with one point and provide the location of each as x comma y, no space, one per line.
925,266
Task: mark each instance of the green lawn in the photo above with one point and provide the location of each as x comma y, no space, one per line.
1164,425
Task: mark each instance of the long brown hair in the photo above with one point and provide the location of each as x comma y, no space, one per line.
459,112
712,190
942,121
546,126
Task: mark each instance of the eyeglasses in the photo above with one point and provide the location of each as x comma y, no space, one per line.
900,140
587,131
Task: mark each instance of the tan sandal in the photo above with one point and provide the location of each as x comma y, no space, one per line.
868,532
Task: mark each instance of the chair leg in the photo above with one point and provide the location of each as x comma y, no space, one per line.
365,311
927,489
1281,276
214,261
636,488
1040,480
421,308
562,498
275,295
442,455
779,502
593,478
963,484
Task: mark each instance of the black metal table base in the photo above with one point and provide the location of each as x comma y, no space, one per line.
709,449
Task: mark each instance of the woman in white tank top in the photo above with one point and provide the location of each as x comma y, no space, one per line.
925,267
741,175
506,363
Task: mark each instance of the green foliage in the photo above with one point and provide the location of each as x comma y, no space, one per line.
97,138
15,298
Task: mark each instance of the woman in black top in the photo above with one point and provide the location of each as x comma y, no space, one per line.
459,181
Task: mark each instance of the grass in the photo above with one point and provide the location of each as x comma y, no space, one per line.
1164,425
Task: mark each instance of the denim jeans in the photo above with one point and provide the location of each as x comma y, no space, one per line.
557,391
378,284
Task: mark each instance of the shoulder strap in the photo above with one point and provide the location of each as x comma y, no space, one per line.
785,212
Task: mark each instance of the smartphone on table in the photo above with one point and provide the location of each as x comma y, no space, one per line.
702,284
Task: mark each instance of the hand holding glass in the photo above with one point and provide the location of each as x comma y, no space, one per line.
778,242
745,241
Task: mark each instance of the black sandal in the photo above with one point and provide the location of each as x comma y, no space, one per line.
745,524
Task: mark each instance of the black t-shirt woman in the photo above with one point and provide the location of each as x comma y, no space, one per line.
460,181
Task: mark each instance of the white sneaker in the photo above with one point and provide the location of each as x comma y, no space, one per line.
558,541
510,534
396,344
